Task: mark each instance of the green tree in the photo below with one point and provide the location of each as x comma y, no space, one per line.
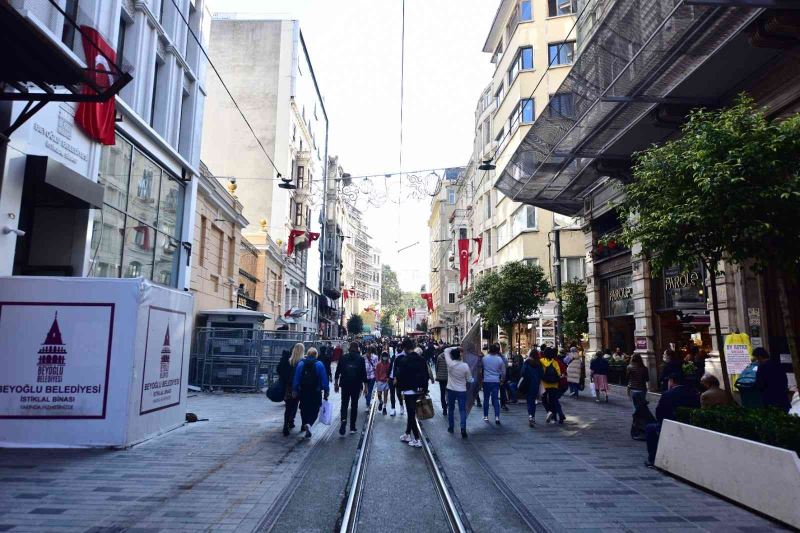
509,296
391,295
727,189
387,325
355,325
575,312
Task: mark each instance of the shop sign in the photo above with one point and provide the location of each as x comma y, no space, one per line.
684,289
163,360
56,359
681,281
52,134
754,316
623,293
619,295
641,343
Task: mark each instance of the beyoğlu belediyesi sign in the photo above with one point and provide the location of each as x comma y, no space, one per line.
163,360
55,359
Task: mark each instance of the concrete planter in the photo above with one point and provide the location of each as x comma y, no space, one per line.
762,477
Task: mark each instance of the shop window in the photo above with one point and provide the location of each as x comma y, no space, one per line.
618,295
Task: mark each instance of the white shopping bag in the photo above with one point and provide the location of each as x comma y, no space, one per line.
325,413
592,390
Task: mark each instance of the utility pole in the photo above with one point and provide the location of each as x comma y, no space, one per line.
559,302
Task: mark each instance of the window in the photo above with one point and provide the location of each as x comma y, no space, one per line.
503,235
572,268
68,32
557,8
524,218
298,214
522,13
451,297
525,13
487,200
498,53
526,110
561,53
500,135
155,103
451,196
123,30
300,176
498,96
462,233
522,61
561,105
531,261
486,130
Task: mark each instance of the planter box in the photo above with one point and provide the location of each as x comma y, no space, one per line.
759,476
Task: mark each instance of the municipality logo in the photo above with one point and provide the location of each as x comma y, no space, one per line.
166,352
52,356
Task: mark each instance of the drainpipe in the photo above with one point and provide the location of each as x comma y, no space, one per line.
559,302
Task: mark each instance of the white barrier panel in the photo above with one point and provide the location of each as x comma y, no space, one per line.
91,361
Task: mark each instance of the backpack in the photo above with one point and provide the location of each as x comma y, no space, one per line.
747,379
550,374
350,371
308,378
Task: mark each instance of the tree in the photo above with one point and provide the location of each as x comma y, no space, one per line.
355,325
575,312
387,325
423,326
727,189
509,296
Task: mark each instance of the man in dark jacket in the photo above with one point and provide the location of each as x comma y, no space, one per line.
678,395
351,376
771,381
411,380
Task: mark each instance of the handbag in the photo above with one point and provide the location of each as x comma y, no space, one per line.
276,391
326,413
424,408
592,389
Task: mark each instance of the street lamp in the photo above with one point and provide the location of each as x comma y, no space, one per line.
286,183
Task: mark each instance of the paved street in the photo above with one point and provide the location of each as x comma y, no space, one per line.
235,472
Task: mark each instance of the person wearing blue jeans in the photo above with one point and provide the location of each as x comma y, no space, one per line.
494,372
458,376
531,379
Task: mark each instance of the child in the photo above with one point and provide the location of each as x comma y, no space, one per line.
382,381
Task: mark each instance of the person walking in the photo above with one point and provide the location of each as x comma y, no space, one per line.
551,377
351,378
370,362
531,382
513,375
598,374
638,376
382,381
394,391
505,354
310,383
325,354
574,366
441,378
494,372
771,381
286,369
412,381
458,375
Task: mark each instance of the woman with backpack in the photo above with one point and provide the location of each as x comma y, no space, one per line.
551,377
310,382
286,368
531,381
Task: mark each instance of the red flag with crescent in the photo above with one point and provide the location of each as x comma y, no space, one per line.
479,242
293,234
428,297
463,259
97,118
345,295
312,236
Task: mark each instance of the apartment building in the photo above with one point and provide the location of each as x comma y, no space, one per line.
361,270
123,203
268,70
443,320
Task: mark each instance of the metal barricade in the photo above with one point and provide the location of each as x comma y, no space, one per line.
241,359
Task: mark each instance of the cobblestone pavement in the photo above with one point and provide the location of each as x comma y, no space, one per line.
235,472
587,475
219,475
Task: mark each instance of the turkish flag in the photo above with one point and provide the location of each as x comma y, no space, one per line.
463,259
345,295
428,297
410,314
97,118
479,241
312,236
293,234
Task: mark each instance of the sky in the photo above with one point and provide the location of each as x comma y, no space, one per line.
355,50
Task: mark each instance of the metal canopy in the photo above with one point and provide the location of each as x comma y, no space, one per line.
639,58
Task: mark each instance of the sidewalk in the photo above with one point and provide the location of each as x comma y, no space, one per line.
221,475
587,475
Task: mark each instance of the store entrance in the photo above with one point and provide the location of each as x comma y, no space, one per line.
618,332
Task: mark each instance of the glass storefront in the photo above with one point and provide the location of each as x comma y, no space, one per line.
681,310
137,233
617,312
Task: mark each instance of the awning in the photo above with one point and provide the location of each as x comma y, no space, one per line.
59,185
642,57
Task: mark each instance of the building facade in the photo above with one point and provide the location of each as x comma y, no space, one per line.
141,222
361,271
630,305
275,87
443,320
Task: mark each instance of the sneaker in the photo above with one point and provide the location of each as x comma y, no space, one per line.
648,464
342,428
384,410
392,412
353,431
285,431
485,418
402,411
449,430
497,421
367,409
463,433
531,422
561,420
444,412
380,406
405,438
414,443
549,418
308,432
